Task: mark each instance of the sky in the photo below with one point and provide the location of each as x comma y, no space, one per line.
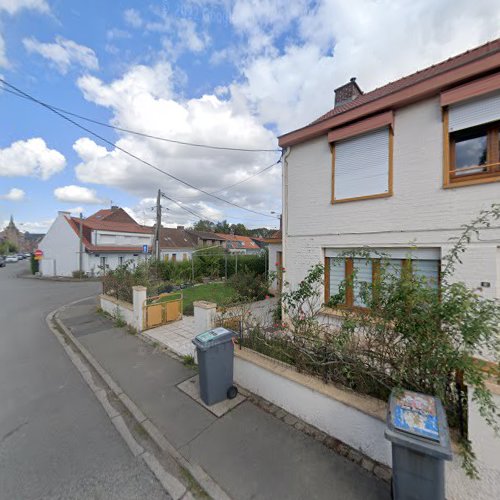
226,73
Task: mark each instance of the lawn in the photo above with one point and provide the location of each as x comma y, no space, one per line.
212,292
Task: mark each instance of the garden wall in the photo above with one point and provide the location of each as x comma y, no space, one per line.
132,314
359,421
111,306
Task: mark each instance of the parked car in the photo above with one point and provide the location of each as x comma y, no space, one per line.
27,255
2,261
11,258
20,256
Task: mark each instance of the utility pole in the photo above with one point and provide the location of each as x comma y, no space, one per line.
80,256
158,226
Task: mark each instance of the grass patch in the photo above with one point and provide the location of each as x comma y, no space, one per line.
212,292
188,361
192,485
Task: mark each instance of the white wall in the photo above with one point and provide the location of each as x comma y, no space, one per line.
121,239
60,245
420,212
114,307
365,433
179,252
353,427
112,261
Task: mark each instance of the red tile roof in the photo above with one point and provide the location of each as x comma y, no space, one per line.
276,237
243,242
111,220
490,49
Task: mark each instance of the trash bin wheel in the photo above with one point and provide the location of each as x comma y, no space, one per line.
232,392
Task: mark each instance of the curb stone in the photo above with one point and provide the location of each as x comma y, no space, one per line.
171,484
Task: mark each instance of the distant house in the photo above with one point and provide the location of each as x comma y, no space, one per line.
244,245
207,239
109,238
177,244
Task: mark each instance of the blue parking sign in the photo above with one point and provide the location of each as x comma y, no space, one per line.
144,249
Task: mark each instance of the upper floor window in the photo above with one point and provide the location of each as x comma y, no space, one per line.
362,166
472,142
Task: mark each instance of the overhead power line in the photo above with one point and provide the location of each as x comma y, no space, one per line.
132,155
135,132
192,212
249,177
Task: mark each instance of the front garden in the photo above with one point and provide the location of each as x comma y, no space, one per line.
410,335
217,278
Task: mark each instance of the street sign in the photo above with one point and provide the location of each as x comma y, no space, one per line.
38,254
144,249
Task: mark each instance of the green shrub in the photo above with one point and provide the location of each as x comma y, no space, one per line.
34,264
249,285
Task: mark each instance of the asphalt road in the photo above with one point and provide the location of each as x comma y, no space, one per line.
56,441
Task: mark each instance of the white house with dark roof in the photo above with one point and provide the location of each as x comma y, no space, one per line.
402,166
108,238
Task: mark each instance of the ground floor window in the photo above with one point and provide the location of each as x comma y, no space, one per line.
349,281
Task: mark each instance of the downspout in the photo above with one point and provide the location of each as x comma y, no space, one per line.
284,194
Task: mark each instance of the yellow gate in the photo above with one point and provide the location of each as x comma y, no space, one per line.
162,309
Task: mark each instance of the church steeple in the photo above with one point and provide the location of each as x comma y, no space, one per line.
11,223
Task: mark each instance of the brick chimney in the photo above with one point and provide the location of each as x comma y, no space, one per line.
347,92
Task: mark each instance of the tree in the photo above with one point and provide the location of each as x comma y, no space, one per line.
204,225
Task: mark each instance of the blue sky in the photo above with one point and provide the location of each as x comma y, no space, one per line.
230,73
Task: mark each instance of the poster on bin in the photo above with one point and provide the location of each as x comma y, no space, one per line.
416,414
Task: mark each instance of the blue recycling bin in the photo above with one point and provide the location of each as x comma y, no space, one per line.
418,431
215,352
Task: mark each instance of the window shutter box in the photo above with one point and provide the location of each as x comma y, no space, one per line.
362,165
474,112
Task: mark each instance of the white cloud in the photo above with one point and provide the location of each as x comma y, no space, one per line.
180,33
4,62
30,158
377,41
143,100
78,194
14,6
133,18
63,53
14,194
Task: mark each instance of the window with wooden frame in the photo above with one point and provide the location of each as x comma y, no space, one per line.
471,136
354,293
362,166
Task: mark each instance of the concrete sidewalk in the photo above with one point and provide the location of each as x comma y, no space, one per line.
248,452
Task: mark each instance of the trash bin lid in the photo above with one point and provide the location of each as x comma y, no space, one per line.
213,337
418,421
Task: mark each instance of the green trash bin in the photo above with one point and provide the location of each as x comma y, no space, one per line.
418,432
215,352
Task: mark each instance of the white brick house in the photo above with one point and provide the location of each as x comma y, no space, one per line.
405,165
110,237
